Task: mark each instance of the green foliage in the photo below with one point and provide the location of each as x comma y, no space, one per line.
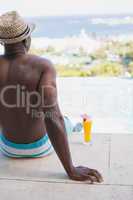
107,69
65,71
124,50
103,69
130,68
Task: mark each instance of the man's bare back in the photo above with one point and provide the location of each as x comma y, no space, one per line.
25,70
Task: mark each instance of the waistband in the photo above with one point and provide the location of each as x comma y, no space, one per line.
32,145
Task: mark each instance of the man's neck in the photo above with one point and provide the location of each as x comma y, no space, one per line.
15,49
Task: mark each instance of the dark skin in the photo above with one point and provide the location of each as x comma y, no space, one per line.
18,67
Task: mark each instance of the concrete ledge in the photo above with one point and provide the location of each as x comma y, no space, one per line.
44,178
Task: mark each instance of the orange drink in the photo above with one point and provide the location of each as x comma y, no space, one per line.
87,126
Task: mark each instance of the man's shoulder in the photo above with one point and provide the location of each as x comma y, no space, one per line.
39,59
46,65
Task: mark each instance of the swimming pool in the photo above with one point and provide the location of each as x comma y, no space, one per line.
108,100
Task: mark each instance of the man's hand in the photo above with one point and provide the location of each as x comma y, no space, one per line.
85,174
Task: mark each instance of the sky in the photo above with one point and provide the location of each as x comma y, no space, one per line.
66,7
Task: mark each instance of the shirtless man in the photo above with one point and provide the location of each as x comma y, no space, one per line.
24,134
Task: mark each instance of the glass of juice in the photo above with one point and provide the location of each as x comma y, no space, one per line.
87,127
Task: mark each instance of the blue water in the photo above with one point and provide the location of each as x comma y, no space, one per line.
108,100
58,27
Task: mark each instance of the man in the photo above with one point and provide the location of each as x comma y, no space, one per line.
26,132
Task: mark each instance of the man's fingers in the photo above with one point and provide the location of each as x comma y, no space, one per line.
90,178
84,178
86,174
97,175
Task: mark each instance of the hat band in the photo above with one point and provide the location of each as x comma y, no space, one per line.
26,31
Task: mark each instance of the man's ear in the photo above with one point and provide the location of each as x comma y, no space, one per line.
24,43
27,43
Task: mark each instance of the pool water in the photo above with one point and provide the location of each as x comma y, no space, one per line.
108,100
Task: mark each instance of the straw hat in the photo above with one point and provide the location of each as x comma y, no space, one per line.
13,28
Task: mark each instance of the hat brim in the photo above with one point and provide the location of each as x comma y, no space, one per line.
31,28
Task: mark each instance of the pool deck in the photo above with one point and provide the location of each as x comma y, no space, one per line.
45,179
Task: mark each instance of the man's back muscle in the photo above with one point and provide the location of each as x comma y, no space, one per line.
22,73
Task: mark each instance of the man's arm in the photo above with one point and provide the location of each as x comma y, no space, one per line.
56,129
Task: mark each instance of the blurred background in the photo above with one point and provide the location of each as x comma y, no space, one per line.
91,46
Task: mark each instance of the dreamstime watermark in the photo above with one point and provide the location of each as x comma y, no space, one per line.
31,100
